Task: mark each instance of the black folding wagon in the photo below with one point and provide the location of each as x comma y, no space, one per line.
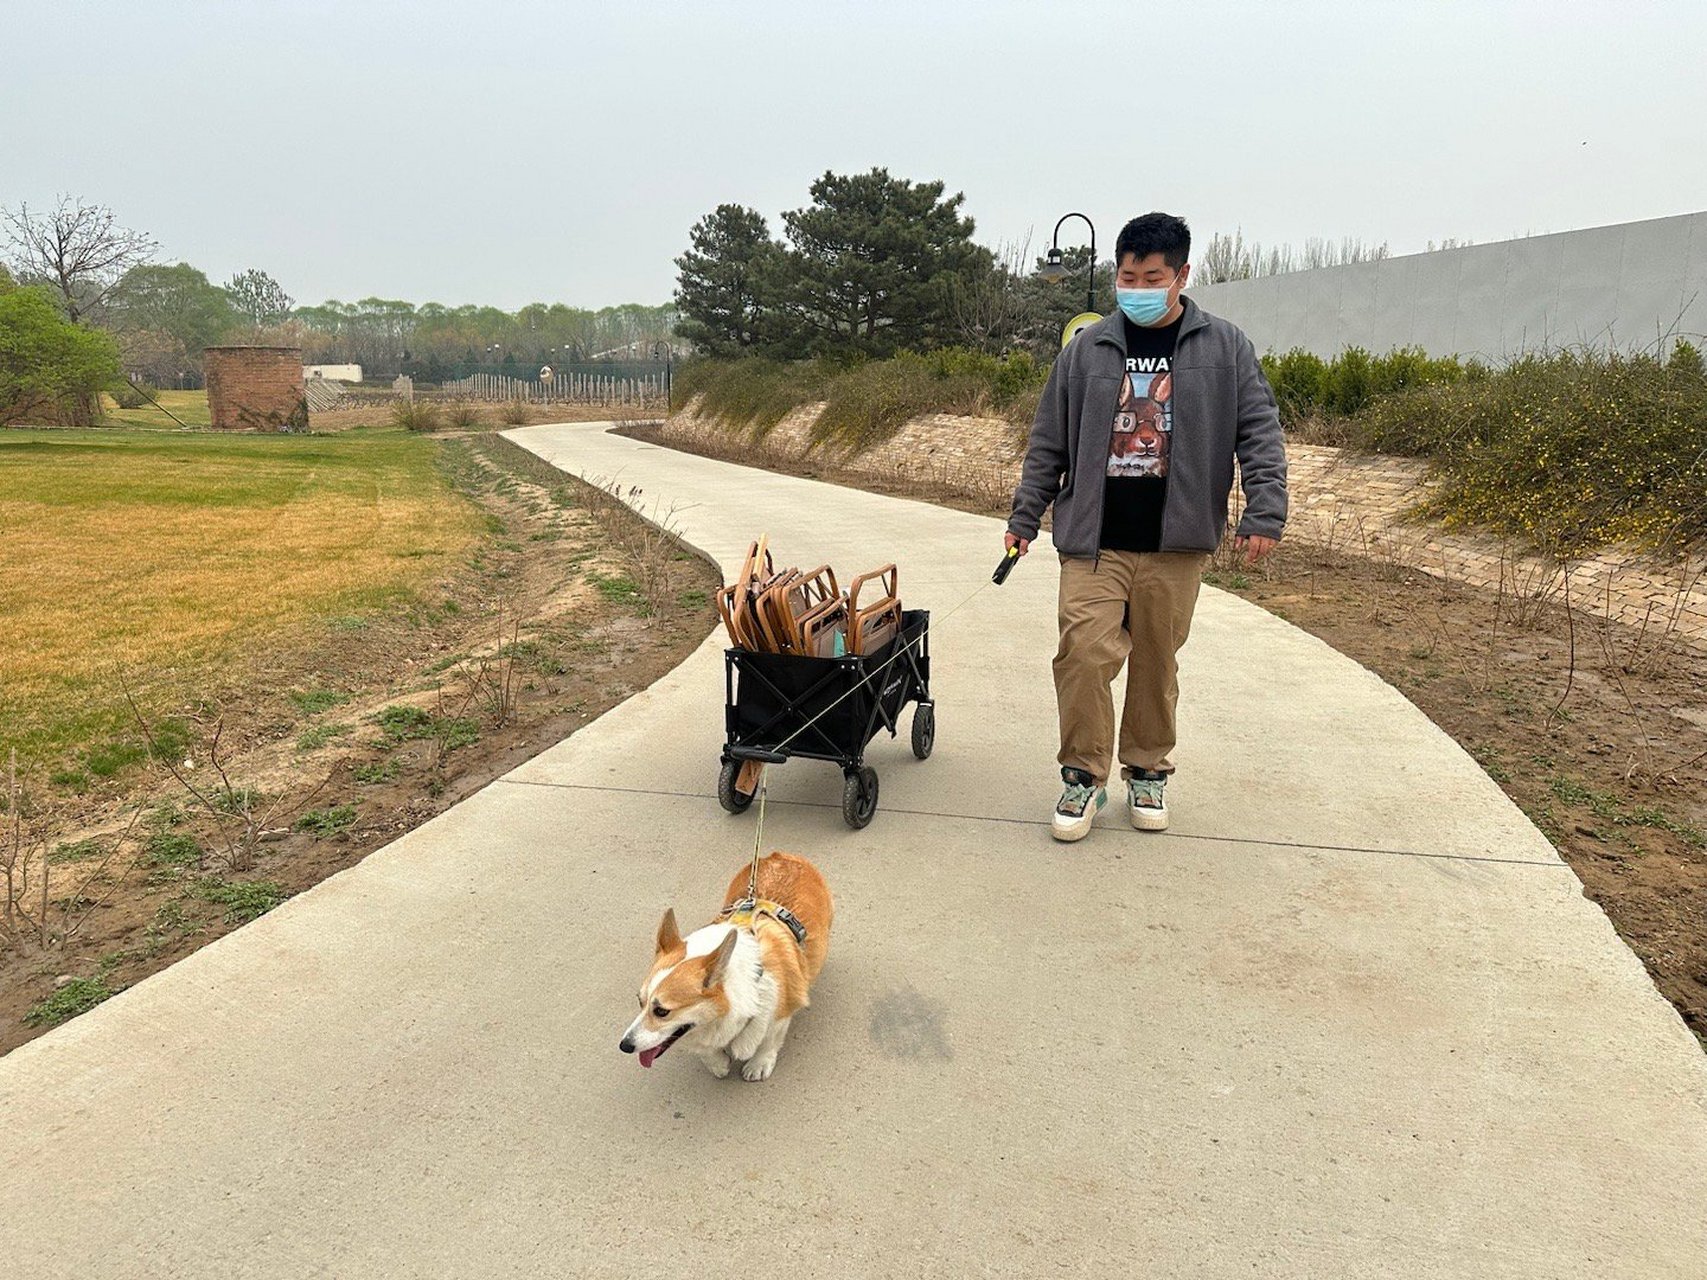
782,706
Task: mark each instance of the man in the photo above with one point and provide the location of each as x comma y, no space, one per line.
1134,443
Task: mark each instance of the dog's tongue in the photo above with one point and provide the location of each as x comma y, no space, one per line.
646,1055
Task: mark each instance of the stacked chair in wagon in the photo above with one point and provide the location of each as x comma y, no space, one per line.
816,672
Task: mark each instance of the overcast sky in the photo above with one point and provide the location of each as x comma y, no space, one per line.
509,151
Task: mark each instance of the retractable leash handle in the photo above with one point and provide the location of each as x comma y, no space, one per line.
1006,566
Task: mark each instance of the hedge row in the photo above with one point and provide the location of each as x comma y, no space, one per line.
1567,450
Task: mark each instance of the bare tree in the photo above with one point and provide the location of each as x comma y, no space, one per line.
1229,257
79,248
1226,257
990,309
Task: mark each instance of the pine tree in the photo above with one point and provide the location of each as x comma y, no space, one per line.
874,263
725,278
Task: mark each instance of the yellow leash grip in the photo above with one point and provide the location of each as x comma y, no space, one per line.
1006,566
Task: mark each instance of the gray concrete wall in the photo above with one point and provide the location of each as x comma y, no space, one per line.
1627,286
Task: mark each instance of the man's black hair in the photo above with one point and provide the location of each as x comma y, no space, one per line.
1155,233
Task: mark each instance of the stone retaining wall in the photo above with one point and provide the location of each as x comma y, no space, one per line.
975,456
1357,503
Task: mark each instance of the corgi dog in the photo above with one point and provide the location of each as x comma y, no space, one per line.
727,991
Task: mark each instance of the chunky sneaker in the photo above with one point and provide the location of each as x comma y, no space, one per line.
1079,805
1144,800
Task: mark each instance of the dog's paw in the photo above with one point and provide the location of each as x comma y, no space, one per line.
717,1063
759,1069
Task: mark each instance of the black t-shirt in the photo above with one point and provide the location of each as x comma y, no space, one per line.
1135,488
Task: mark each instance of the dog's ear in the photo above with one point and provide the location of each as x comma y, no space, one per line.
669,937
720,962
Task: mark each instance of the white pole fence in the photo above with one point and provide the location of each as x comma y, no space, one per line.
562,388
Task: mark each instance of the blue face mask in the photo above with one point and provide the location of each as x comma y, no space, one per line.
1143,306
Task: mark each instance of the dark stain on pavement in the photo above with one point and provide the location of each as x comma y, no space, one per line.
904,1024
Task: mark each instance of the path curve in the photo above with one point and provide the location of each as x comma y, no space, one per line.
1351,1017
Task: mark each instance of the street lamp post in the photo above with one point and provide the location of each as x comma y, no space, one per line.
1054,269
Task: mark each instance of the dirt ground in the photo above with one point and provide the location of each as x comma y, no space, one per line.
1596,730
317,751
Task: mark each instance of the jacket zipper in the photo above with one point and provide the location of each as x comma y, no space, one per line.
1168,490
1102,500
1102,478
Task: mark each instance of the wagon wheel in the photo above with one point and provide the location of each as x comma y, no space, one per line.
859,796
924,729
729,793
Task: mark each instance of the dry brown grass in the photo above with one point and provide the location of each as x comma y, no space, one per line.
156,555
313,744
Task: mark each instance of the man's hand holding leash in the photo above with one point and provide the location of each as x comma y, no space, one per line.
1012,549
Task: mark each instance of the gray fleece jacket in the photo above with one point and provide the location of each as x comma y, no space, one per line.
1222,409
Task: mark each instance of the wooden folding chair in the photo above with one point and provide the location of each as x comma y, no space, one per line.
771,611
821,627
811,595
874,625
817,587
736,602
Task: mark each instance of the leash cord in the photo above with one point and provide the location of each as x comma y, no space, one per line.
758,836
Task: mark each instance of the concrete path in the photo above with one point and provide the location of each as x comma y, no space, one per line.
1351,1017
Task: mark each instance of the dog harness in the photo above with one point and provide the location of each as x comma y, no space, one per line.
742,913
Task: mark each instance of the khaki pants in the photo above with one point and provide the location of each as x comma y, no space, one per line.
1153,594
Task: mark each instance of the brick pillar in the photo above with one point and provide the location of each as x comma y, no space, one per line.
255,388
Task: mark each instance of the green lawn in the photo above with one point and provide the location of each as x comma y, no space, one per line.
188,406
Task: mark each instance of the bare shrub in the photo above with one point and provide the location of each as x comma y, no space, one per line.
238,816
416,415
651,543
462,414
990,487
30,906
1646,647
1527,588
489,679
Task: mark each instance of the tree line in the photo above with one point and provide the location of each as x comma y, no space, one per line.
434,342
1229,257
87,306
